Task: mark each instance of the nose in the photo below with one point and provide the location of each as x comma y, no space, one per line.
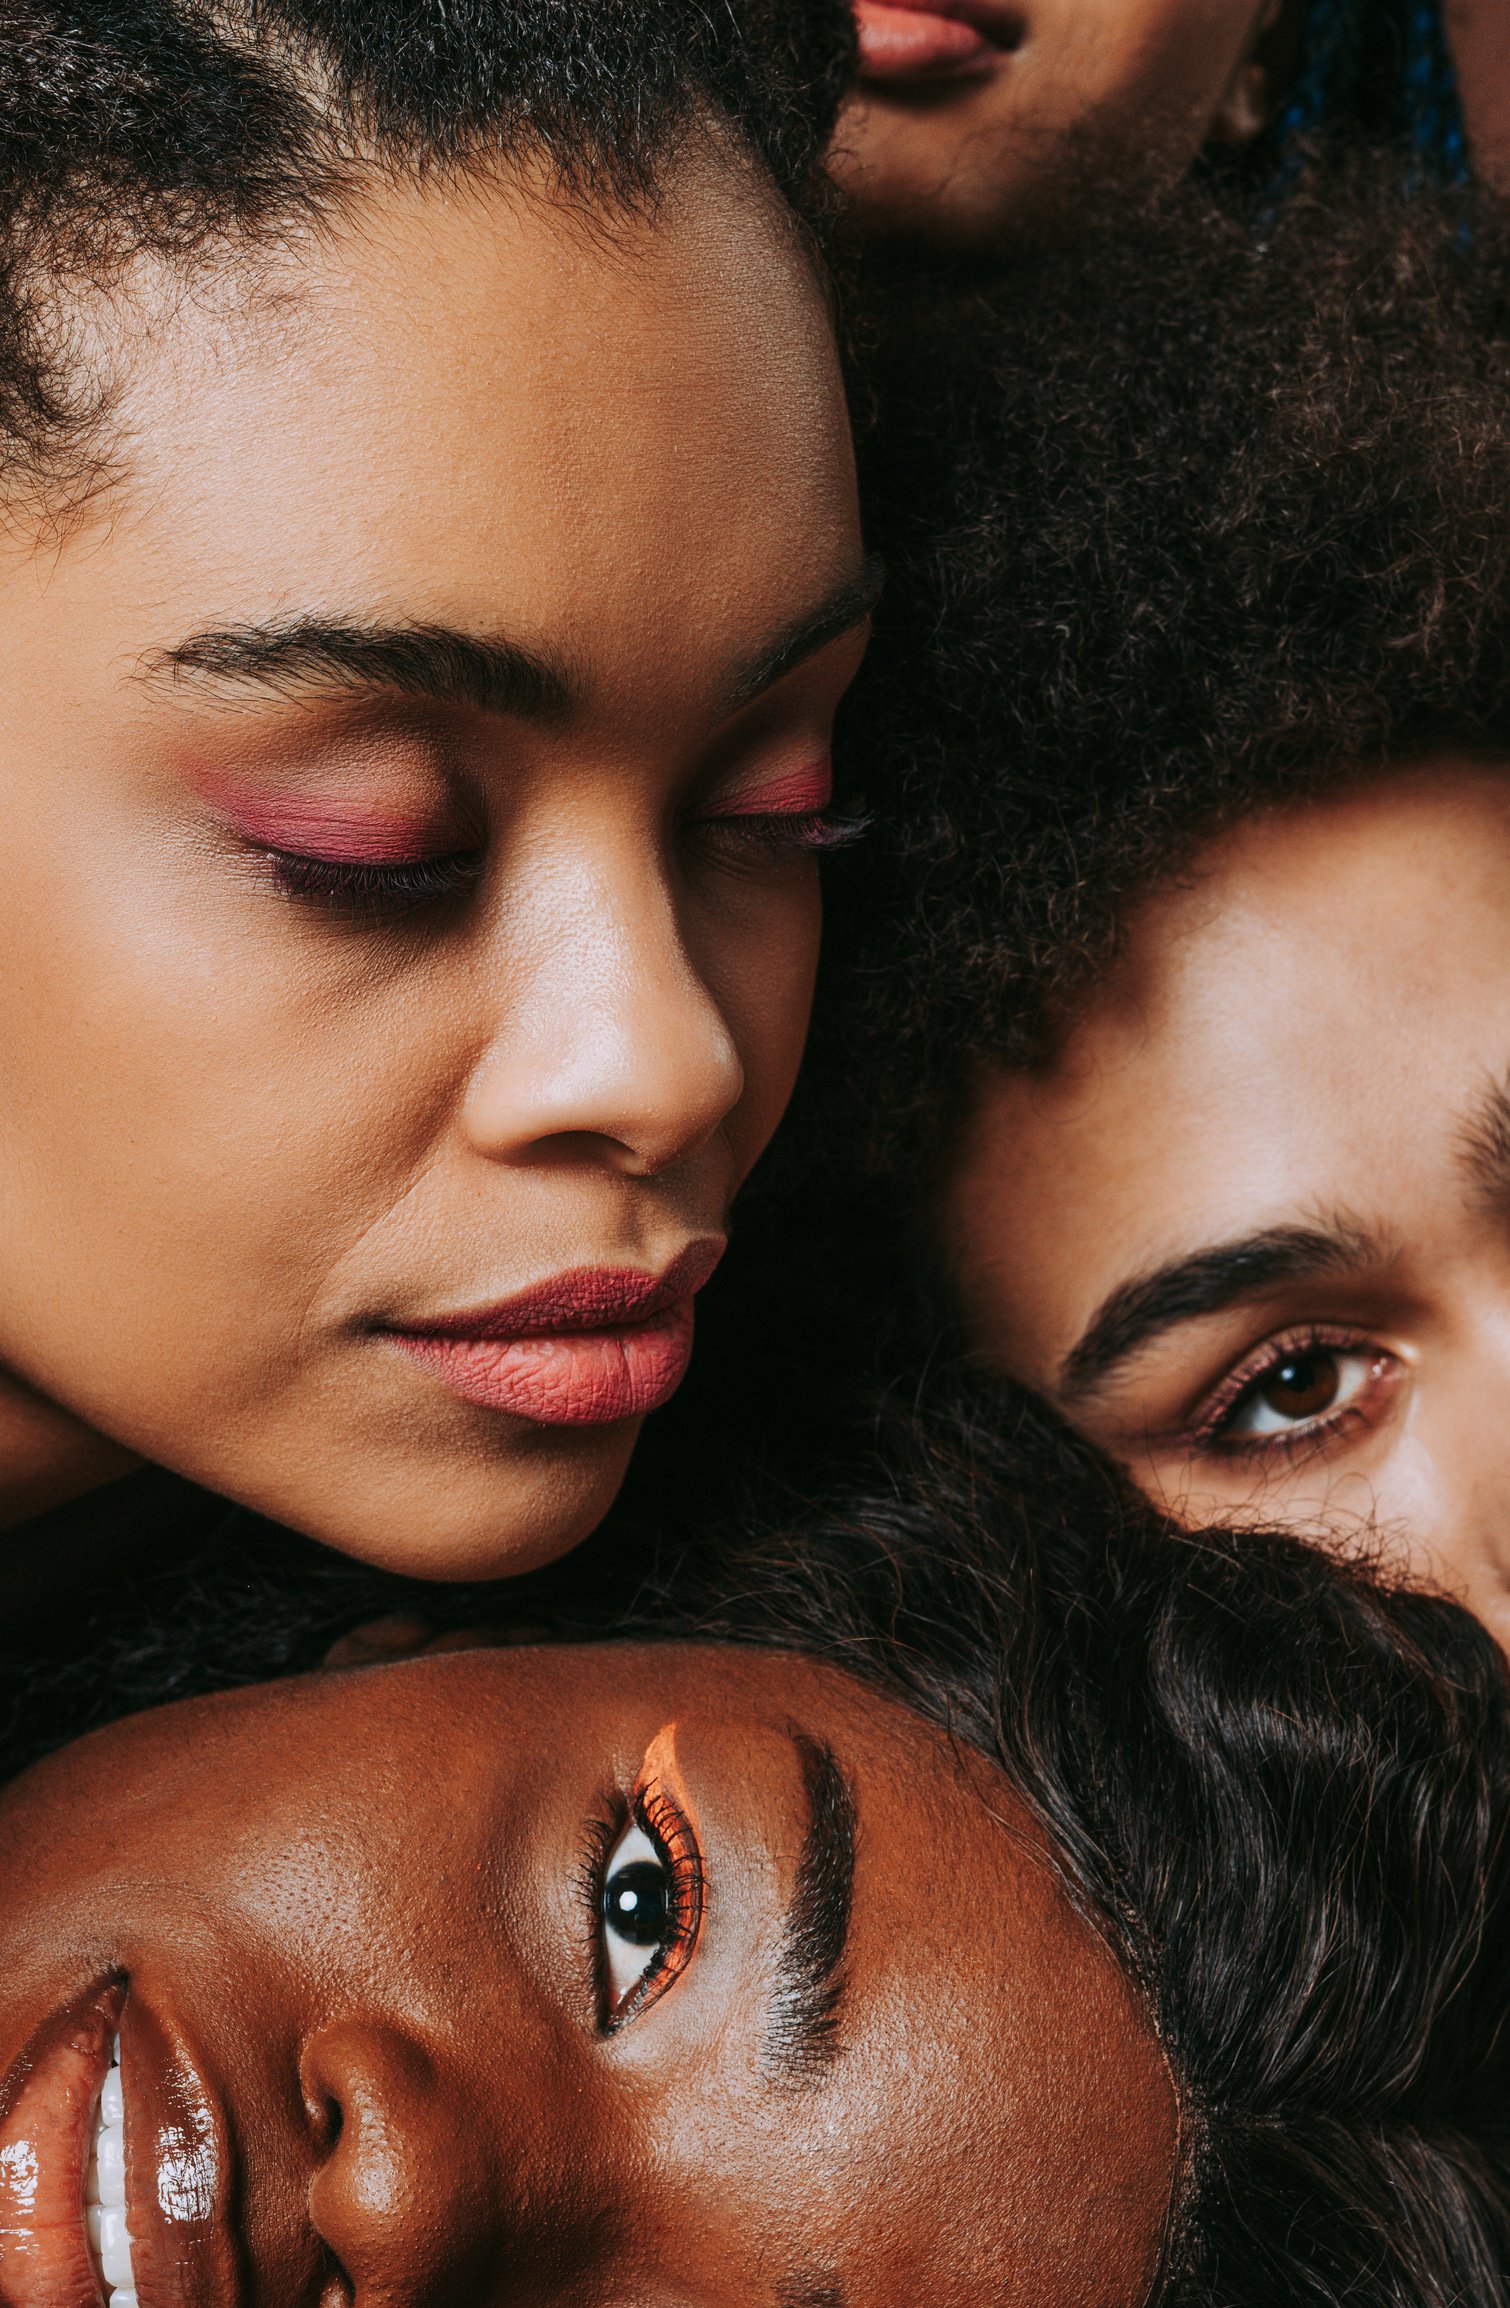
612,1047
402,2199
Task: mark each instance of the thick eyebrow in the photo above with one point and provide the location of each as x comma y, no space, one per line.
801,2025
308,656
1484,1142
1207,1282
839,612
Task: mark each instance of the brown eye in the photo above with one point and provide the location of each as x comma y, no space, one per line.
1300,1386
1303,1385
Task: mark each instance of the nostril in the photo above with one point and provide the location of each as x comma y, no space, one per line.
325,2118
336,2288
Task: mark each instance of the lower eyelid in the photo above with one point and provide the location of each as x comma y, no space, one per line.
1212,1436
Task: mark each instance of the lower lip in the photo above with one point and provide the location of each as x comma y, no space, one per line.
46,2127
908,44
565,1378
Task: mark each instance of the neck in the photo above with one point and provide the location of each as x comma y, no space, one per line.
47,1456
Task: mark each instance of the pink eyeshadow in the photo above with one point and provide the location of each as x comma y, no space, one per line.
342,829
800,793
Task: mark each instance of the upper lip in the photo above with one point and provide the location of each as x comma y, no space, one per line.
178,2182
582,1298
997,20
178,2169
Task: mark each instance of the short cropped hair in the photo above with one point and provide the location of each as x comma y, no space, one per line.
171,127
1279,1789
1181,522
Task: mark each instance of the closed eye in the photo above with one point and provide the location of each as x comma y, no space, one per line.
365,890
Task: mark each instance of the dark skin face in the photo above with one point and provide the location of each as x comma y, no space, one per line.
411,777
977,121
359,1920
1248,1230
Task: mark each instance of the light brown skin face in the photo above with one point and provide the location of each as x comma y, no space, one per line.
1057,101
1251,1229
247,1128
384,1983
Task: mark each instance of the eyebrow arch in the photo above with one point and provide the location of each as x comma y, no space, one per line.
843,609
801,2027
310,656
1207,1282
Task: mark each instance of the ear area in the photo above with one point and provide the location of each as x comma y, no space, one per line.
1267,68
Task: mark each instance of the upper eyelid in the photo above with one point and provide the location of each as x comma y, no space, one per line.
1214,1401
600,1836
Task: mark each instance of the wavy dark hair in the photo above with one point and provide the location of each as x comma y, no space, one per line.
1180,524
1277,1788
181,128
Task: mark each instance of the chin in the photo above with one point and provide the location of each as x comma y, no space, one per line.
477,1520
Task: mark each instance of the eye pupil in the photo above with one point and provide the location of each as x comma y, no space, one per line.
1302,1385
636,1903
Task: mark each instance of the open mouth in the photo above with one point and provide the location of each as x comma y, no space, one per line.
48,2121
105,2193
114,2167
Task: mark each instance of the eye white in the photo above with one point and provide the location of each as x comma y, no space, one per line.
1257,1418
636,1908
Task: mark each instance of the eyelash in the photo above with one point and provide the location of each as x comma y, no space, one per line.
360,890
367,891
652,1810
783,830
1205,1434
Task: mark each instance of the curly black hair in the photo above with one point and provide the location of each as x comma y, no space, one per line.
178,127
1276,1787
1180,523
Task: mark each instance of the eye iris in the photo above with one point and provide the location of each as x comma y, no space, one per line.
636,1904
1302,1385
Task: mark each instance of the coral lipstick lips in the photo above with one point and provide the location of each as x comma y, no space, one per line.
586,1348
47,2118
923,40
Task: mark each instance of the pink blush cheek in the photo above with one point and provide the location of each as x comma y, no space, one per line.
343,829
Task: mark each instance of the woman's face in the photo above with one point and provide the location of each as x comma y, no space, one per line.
841,2037
978,119
1251,1231
411,771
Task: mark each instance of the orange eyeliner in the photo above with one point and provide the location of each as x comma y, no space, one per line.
660,1805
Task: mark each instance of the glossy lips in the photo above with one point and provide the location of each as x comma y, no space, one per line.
176,2181
47,2121
907,40
585,1349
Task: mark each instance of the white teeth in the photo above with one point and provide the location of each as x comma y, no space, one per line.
105,2195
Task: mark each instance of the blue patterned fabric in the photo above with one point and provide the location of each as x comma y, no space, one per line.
1384,65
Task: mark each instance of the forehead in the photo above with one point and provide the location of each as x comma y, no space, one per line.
1325,979
466,401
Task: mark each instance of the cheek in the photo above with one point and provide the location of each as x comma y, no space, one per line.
191,1091
759,962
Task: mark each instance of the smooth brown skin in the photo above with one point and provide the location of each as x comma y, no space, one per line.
1478,32
238,1132
335,1927
1314,1034
1093,94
